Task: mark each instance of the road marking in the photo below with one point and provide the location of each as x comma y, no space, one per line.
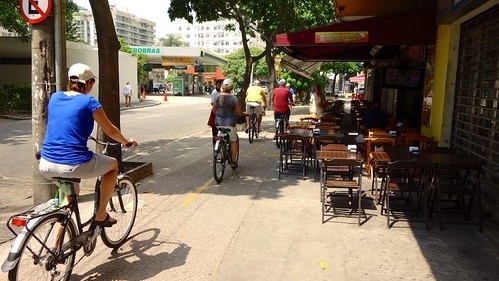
196,192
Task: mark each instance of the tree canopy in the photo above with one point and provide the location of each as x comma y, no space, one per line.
172,40
236,61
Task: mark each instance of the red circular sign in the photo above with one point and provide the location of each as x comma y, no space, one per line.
35,11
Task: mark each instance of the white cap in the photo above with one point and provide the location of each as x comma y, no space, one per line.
228,82
282,82
81,71
256,82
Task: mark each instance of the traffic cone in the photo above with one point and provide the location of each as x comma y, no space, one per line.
165,98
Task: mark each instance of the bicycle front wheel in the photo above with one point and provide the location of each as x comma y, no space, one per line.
36,262
122,207
219,162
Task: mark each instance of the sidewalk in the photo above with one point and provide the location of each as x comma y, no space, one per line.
280,235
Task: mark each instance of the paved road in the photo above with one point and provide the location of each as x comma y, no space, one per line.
253,226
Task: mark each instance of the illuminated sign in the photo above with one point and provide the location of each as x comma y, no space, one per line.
342,37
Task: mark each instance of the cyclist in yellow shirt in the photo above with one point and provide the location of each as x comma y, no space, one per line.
255,96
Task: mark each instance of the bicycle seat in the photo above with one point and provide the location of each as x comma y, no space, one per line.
74,180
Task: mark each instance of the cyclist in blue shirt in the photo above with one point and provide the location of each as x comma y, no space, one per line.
64,153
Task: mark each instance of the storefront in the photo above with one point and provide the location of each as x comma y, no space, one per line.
465,100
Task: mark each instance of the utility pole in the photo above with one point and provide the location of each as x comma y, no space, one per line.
42,84
48,73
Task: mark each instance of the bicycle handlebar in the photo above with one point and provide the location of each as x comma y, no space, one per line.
128,144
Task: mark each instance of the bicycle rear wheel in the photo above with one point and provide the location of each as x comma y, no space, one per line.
251,131
279,129
123,207
35,261
219,161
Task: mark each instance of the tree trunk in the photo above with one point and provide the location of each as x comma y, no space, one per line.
270,59
249,62
107,41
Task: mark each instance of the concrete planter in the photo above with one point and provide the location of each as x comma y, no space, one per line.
137,170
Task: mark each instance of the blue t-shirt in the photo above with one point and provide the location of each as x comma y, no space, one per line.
70,123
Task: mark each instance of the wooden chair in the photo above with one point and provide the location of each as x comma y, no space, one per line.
336,186
293,154
459,188
407,181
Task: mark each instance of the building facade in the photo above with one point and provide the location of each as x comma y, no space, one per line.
134,30
213,36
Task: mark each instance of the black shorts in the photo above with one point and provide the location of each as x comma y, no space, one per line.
280,115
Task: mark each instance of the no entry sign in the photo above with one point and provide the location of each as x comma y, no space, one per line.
35,11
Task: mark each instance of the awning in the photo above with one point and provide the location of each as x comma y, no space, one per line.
355,40
358,78
298,66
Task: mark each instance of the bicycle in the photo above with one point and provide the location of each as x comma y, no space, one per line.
222,154
46,246
252,130
279,127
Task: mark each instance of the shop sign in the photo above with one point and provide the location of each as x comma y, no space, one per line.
146,50
342,37
175,61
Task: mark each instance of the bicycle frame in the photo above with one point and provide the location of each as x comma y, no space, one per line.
223,138
30,219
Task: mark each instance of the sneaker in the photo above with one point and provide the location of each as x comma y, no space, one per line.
246,131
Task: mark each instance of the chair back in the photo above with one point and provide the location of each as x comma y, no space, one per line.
413,171
354,167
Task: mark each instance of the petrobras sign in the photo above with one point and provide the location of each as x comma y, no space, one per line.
146,50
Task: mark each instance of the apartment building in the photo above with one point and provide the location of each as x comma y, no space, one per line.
213,36
135,31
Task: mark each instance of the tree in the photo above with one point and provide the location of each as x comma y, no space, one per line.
230,9
171,40
109,46
340,68
236,62
271,18
11,20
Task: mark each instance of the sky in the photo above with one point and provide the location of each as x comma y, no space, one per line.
153,10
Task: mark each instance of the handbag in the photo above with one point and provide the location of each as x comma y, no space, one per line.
211,119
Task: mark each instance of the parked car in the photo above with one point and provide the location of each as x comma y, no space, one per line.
158,88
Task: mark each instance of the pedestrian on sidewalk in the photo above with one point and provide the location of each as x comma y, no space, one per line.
127,92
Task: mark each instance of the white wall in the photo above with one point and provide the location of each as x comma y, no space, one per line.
75,52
